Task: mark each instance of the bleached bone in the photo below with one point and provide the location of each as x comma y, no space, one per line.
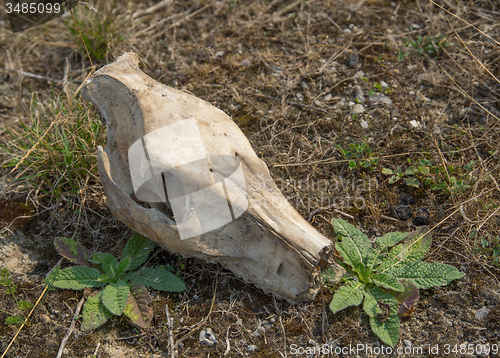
180,171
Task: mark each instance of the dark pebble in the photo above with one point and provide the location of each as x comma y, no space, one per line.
422,217
402,212
407,200
352,59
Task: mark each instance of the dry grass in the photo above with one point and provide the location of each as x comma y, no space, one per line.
279,69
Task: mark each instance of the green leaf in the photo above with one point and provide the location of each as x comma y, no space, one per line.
157,278
355,247
411,171
107,278
393,179
73,251
138,305
412,182
370,305
77,278
387,171
373,259
426,275
107,261
415,249
386,323
387,281
390,239
350,294
124,265
49,280
167,267
94,313
424,170
115,296
138,248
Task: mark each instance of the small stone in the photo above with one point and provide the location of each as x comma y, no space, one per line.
359,95
219,54
299,96
364,124
421,217
358,109
359,74
252,348
207,337
328,97
246,62
258,331
352,59
414,124
407,343
482,313
384,84
317,103
341,103
239,322
44,319
379,98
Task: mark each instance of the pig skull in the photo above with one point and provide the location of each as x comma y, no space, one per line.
179,171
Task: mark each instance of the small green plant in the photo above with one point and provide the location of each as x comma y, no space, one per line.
23,306
398,174
490,245
429,45
433,177
124,283
359,156
385,276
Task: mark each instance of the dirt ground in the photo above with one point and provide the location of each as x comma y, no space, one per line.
320,88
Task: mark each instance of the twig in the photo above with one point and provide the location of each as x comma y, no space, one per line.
329,207
130,337
71,328
152,9
170,323
31,75
228,343
96,349
306,106
389,218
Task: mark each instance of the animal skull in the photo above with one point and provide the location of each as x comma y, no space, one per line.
180,171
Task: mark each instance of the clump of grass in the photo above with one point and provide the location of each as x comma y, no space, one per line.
100,29
54,149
